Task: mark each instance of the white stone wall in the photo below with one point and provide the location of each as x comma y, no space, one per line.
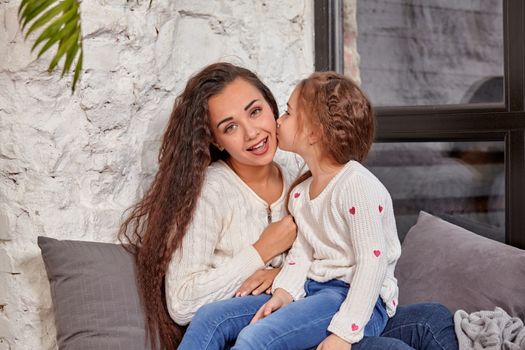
70,164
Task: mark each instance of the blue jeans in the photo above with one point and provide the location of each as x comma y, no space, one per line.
424,326
301,325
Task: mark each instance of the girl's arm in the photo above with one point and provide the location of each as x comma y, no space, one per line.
362,203
289,283
295,268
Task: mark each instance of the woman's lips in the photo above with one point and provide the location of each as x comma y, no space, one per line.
260,148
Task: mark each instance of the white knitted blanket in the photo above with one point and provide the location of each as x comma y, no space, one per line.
489,330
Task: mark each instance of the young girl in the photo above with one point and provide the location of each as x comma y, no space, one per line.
340,270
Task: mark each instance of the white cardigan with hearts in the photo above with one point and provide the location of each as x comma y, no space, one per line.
348,232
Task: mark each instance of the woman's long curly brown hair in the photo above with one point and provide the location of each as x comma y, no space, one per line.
156,224
334,104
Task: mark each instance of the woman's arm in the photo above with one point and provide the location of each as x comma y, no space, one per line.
193,280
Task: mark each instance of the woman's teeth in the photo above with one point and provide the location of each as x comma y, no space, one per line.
258,146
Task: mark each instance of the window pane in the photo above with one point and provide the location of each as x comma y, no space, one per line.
426,52
461,182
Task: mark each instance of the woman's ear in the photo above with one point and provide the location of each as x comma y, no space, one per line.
218,146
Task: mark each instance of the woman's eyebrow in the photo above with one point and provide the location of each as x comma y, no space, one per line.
250,104
227,119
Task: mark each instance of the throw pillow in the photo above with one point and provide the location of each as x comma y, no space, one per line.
445,263
94,294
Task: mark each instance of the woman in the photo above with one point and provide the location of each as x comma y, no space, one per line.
213,223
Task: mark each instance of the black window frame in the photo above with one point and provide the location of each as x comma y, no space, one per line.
464,122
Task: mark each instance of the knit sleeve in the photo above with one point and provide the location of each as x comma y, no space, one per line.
360,203
295,268
192,280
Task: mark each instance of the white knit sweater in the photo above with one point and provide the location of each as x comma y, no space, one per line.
217,253
347,232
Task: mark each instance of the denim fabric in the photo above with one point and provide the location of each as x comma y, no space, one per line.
424,326
217,325
299,325
303,324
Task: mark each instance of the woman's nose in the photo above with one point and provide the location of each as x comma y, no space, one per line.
252,132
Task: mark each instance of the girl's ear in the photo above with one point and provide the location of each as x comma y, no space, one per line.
314,136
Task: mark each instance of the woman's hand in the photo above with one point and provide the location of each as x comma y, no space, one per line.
279,299
276,238
259,282
333,342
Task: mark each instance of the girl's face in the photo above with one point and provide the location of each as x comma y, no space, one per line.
242,122
291,135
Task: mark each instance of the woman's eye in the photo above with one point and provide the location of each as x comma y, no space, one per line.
230,128
256,112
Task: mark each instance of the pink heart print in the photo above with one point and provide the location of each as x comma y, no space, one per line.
377,253
355,327
291,263
352,210
380,208
296,195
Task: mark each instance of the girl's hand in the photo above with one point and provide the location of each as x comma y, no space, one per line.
261,281
279,299
333,342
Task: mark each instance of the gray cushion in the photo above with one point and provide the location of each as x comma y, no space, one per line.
94,295
445,263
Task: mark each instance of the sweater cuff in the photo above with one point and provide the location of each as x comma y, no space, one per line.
340,326
249,260
291,281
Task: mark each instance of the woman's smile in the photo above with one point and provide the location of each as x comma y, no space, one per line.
260,148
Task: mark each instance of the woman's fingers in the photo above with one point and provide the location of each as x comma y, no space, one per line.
262,287
258,282
247,288
250,284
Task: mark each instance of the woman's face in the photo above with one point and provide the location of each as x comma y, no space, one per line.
242,122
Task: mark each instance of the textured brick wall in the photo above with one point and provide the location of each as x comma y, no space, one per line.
70,165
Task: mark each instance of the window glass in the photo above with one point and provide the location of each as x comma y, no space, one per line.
426,52
462,182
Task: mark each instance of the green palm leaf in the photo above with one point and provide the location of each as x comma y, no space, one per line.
59,21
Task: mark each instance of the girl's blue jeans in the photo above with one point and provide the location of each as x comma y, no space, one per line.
303,324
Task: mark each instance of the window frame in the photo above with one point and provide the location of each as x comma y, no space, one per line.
462,122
